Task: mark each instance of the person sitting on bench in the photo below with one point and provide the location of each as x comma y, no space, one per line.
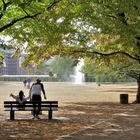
20,98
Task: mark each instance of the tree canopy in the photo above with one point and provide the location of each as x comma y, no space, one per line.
79,28
99,29
66,27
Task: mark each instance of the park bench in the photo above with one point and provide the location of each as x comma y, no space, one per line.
13,106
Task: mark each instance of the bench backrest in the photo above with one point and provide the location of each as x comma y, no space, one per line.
13,104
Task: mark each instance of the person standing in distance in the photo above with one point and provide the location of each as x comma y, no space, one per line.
35,94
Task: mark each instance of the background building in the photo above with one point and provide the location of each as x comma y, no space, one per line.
11,66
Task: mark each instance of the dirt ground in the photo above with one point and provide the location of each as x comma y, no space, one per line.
75,120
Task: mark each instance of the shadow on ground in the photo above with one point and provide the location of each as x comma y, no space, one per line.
76,121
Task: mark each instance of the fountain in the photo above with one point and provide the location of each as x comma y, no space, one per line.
79,76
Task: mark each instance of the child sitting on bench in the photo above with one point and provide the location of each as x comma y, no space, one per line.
20,98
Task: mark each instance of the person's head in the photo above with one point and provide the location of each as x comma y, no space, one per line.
38,80
21,94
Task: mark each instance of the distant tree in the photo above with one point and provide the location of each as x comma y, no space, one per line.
103,29
63,67
105,72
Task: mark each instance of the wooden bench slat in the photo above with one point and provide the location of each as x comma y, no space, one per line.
17,105
29,109
28,102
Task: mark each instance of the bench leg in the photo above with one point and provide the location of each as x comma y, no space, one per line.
50,114
12,115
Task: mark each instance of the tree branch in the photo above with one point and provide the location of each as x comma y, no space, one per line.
22,18
25,11
52,4
119,52
16,20
106,54
120,17
5,5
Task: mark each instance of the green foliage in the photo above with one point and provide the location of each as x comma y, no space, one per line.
62,66
41,21
1,59
112,72
69,28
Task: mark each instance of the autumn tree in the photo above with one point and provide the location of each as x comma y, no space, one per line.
119,37
103,29
115,36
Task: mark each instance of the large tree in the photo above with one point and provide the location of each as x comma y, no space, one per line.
119,37
115,36
103,29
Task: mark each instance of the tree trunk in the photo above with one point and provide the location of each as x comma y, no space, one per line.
138,90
